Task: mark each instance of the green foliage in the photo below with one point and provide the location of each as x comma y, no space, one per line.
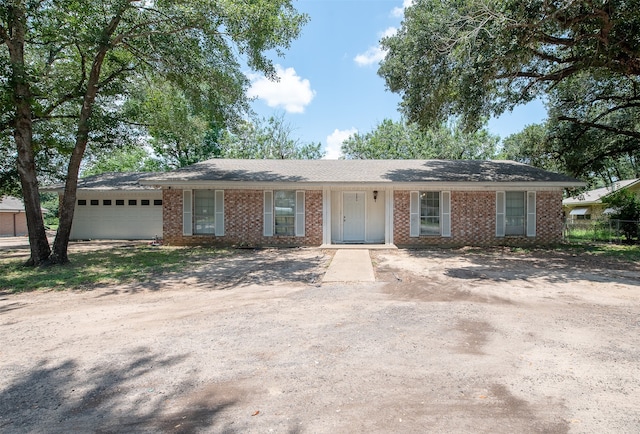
532,146
131,159
182,130
67,69
552,146
112,266
51,203
268,138
591,129
627,209
400,140
477,58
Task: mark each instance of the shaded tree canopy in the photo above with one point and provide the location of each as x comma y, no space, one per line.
268,138
67,67
181,130
477,58
130,159
400,140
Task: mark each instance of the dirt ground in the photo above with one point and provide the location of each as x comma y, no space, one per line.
443,341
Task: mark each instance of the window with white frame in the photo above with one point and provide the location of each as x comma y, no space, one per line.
516,213
429,213
204,212
284,211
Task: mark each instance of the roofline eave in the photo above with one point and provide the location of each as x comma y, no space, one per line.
465,185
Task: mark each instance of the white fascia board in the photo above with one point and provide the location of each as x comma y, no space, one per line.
448,186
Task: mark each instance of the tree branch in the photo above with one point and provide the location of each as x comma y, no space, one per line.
590,124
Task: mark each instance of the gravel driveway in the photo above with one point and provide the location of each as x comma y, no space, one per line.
443,341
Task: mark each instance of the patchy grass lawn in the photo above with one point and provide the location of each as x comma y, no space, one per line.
630,253
621,252
119,265
116,265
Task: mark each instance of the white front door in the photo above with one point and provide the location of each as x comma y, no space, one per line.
353,227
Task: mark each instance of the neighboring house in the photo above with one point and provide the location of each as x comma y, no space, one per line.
13,220
115,206
324,202
589,205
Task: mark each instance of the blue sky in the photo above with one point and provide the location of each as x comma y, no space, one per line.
329,87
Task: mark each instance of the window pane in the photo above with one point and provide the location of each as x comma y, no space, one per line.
515,213
284,212
133,201
430,213
204,217
144,202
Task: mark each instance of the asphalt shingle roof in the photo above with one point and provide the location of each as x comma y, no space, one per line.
361,171
110,181
595,196
11,204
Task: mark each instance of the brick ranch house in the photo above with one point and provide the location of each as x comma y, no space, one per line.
408,203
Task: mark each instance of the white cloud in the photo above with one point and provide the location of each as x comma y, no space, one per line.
291,92
334,142
374,54
399,12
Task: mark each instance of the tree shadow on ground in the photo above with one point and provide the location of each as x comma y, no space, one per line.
555,266
242,268
66,397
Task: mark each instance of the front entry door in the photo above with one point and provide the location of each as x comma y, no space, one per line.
354,214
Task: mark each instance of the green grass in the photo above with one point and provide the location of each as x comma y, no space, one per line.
110,266
624,252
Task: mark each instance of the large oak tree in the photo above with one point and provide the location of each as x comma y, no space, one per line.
73,63
476,58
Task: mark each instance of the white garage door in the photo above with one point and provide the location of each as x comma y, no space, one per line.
133,217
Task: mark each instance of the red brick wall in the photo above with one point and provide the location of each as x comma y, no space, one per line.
243,221
473,221
13,224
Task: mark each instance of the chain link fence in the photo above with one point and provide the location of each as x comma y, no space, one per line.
604,230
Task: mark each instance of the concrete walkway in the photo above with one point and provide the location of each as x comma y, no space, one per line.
350,266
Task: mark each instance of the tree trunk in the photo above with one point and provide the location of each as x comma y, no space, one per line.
67,206
23,136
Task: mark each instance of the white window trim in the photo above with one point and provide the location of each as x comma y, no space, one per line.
414,214
530,214
268,213
219,212
501,212
187,212
300,214
445,214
